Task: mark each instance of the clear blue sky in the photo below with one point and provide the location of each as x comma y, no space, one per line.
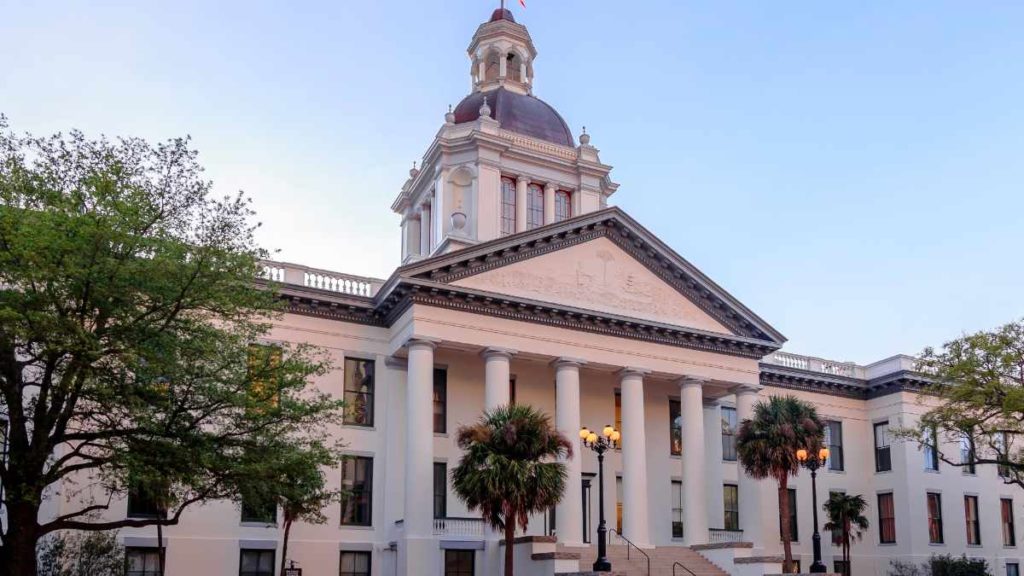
852,171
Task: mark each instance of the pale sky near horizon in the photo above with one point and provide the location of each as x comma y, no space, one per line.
852,172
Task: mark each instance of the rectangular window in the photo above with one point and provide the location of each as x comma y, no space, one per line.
677,509
1009,531
440,490
886,519
357,482
256,563
1002,454
732,506
618,410
931,450
675,424
729,434
563,206
459,562
971,517
967,453
534,206
883,458
143,505
355,564
142,562
440,401
1012,569
359,387
508,206
834,441
262,513
618,505
935,518
794,528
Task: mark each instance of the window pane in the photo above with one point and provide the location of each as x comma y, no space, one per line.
728,434
971,516
883,462
935,518
886,519
440,490
834,441
459,562
142,562
355,564
534,206
1009,529
256,563
563,206
677,509
440,401
675,423
508,206
732,507
359,389
357,482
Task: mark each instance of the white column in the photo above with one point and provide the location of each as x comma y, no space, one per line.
412,236
503,66
695,509
549,204
426,224
521,184
496,377
634,458
569,512
749,488
419,441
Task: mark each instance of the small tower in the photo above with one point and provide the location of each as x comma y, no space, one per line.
502,55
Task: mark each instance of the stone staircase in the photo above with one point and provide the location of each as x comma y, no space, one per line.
634,564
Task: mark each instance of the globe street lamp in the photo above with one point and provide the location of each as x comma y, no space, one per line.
813,461
608,439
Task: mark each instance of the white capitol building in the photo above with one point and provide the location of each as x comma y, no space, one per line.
520,283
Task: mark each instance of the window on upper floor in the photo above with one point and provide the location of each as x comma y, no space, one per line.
357,484
618,410
262,374
256,563
931,450
972,521
675,425
967,453
440,401
886,519
1009,530
264,513
834,441
355,564
144,504
731,500
935,535
1001,444
729,434
563,206
440,490
142,561
534,206
508,206
359,391
883,456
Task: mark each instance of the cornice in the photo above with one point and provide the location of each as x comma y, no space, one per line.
821,383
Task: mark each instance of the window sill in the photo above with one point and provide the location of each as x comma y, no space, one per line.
440,434
930,471
831,471
937,544
355,527
359,427
883,471
887,544
252,524
975,546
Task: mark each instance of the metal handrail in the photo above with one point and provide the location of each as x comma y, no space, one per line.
674,564
626,540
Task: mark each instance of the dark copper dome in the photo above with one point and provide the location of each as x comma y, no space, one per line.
502,14
527,115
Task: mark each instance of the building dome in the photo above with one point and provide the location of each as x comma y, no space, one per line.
521,113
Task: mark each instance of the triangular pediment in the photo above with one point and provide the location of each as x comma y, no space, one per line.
595,275
603,262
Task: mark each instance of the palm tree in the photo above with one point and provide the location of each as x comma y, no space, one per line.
509,468
846,514
767,445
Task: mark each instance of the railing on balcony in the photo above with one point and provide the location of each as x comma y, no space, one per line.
799,362
720,536
297,275
463,527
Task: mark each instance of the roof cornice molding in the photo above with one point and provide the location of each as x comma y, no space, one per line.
834,385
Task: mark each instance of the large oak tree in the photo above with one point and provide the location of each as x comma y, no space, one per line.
130,324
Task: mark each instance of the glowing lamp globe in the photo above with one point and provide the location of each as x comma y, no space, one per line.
592,438
801,455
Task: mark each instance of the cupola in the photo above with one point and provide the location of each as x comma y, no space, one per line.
502,54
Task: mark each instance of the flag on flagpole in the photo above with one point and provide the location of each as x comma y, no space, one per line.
522,3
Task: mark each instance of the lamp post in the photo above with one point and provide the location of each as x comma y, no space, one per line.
813,461
600,444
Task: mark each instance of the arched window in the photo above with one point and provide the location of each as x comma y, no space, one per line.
492,67
513,67
534,206
508,206
563,206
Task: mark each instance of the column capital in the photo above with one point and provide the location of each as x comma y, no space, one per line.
421,342
549,187
567,362
522,180
690,381
632,372
495,352
743,389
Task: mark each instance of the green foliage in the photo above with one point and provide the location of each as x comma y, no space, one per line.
507,470
981,393
767,443
129,303
945,565
845,514
81,554
905,568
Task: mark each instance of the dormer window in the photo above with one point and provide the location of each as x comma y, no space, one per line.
534,207
563,206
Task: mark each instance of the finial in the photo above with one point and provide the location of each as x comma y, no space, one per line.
413,171
449,118
585,138
485,109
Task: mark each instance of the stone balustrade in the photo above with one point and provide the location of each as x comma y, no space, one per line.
899,363
719,536
462,527
298,275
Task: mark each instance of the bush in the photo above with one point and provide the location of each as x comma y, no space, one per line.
81,554
940,566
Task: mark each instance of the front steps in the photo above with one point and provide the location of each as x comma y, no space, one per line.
634,564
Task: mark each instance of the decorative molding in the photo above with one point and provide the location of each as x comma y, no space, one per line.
846,387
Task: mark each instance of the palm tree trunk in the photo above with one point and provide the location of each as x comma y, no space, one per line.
787,546
846,548
510,536
160,547
284,545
